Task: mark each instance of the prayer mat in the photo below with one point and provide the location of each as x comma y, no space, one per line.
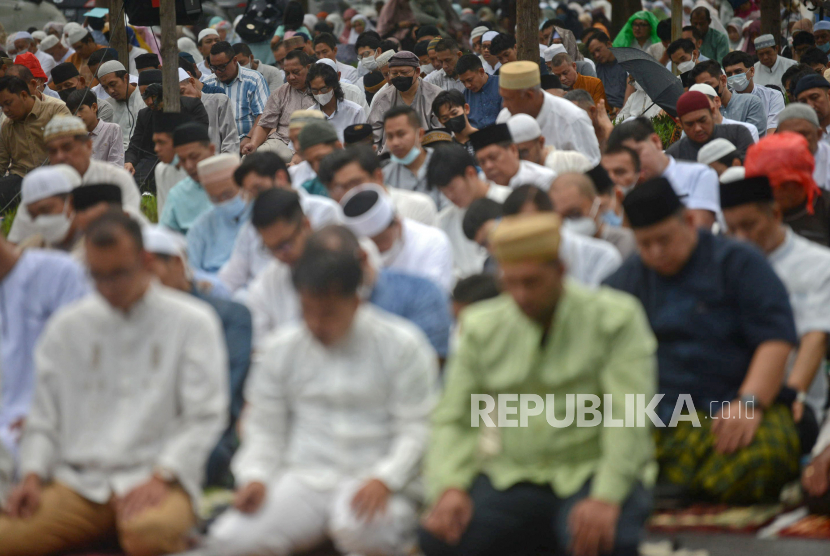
717,517
754,474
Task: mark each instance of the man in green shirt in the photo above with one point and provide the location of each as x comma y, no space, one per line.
529,483
715,44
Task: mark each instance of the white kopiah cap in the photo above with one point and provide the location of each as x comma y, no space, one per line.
45,182
523,128
715,150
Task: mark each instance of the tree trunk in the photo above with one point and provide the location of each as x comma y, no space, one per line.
118,32
527,30
771,19
676,19
169,57
623,9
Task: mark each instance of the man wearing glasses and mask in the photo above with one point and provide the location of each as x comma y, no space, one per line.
407,88
246,88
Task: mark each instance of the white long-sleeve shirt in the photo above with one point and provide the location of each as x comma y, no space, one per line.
119,395
565,126
358,409
426,252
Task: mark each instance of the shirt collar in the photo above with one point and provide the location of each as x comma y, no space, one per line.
97,130
784,249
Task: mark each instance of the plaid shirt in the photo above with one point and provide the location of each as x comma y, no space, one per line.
248,93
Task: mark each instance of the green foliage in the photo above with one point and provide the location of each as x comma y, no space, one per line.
666,129
149,207
8,219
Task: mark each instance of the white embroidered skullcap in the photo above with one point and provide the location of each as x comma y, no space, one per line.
44,182
523,128
217,168
714,150
64,125
76,35
47,43
553,50
330,63
110,67
489,36
383,59
707,90
163,241
733,174
478,32
207,32
367,210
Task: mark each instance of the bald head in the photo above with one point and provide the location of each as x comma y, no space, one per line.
573,195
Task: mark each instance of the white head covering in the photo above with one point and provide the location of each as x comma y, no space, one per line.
64,125
110,67
310,20
489,36
329,63
337,21
478,32
76,35
183,75
44,182
39,35
368,27
715,150
376,219
821,26
20,35
160,240
186,44
553,50
383,59
207,32
523,128
733,174
707,90
47,43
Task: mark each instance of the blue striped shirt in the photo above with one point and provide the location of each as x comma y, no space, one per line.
248,93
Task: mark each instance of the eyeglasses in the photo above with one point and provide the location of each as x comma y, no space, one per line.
221,67
406,73
284,246
322,91
641,24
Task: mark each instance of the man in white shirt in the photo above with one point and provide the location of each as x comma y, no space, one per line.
404,244
695,184
752,215
302,475
345,169
564,125
770,67
802,119
498,156
740,73
124,416
258,173
456,175
325,46
125,99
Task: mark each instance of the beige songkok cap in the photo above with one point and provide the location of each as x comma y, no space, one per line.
519,75
299,118
61,126
526,237
217,168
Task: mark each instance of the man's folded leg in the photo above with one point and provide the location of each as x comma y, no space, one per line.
274,145
506,522
162,529
64,521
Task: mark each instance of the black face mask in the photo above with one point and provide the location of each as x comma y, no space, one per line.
456,124
401,83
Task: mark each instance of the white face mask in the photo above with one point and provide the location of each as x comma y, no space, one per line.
324,99
53,227
389,256
427,69
584,225
686,66
367,65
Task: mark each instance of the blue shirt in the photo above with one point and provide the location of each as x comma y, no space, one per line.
212,89
485,105
419,301
248,93
615,79
747,108
211,238
709,318
36,287
238,328
186,202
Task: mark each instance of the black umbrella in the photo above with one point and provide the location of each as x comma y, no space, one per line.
661,85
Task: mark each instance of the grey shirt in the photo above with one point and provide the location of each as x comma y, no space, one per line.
222,127
389,97
621,238
747,108
686,149
398,175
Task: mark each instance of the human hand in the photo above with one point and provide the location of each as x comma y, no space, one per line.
25,499
145,496
592,524
450,516
816,477
128,166
371,499
736,430
249,498
246,147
